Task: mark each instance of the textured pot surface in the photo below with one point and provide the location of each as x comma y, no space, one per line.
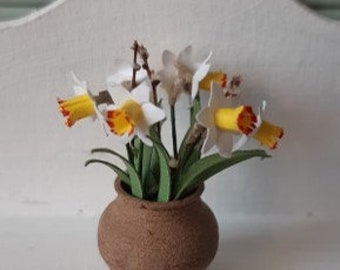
141,235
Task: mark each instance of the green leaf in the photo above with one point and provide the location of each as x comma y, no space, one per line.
146,162
165,175
193,156
135,182
208,166
120,173
138,152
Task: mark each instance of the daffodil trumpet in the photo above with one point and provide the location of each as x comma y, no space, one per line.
268,134
82,105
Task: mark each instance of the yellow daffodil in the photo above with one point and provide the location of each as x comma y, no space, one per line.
218,77
266,133
230,88
132,113
81,105
223,121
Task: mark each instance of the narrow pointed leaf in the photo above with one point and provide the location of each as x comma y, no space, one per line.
135,182
137,149
208,166
165,175
120,173
146,162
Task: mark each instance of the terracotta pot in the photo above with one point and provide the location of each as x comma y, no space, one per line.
141,235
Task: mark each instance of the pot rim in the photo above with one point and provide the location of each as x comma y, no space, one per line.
153,205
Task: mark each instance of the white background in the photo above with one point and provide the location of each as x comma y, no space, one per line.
281,213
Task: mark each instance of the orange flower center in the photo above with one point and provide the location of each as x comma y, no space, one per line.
124,119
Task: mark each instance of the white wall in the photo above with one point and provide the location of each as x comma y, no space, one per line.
285,54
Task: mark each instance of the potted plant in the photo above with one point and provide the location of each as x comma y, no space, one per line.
158,220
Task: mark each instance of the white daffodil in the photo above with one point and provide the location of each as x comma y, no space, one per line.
132,112
182,73
223,121
123,74
80,106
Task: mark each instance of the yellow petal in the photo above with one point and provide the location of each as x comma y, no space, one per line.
76,108
268,134
240,119
216,76
133,110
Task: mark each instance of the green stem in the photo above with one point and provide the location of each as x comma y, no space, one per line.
173,130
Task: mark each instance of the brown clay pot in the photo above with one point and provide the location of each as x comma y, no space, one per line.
135,234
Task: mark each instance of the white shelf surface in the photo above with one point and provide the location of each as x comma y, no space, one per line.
245,243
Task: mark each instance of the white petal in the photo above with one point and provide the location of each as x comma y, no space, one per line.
119,94
167,77
198,76
264,105
152,114
240,142
77,81
80,87
208,58
123,72
117,79
141,93
217,98
185,60
101,119
125,138
210,140
144,138
78,90
205,117
168,58
185,56
224,143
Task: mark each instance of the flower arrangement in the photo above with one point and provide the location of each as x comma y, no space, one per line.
131,109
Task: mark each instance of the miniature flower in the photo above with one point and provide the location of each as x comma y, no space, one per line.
82,105
265,133
182,73
223,121
268,134
132,114
218,77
